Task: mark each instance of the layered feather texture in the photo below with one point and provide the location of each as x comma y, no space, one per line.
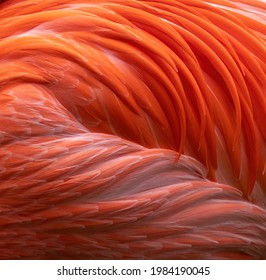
132,129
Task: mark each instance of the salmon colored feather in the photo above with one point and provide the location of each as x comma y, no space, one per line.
132,129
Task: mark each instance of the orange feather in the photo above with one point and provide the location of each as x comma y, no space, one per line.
132,129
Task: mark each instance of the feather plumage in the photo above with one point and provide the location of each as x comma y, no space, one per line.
132,129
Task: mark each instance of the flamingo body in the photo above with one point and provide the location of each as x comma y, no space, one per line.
132,129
